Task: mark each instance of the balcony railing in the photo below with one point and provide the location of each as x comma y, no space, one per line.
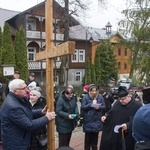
34,65
38,35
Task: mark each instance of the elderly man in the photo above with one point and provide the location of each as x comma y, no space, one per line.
17,118
121,114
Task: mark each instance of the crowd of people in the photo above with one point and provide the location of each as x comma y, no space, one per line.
124,123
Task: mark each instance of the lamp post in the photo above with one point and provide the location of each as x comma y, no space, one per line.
90,39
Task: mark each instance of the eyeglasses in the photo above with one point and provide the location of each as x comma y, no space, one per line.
25,88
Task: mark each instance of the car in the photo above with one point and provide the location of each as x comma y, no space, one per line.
131,87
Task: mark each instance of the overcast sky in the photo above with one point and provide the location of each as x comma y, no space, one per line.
96,17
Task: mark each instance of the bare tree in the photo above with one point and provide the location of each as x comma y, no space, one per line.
72,8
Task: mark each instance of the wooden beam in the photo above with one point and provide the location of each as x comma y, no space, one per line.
60,50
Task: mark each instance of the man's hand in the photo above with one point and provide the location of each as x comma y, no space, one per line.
50,115
124,126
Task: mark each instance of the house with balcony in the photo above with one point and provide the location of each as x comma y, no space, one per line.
86,39
33,21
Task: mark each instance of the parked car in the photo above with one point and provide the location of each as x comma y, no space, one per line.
131,87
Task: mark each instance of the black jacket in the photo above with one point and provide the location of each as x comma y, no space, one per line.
40,104
118,115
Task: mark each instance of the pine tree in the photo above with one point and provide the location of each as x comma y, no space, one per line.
93,75
88,72
97,66
21,53
7,47
107,67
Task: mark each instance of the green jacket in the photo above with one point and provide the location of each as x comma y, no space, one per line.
64,108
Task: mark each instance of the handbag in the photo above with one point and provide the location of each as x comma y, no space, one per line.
42,140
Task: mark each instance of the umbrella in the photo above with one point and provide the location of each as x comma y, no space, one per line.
123,141
146,96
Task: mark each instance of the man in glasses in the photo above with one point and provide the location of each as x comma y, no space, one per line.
67,115
121,114
17,118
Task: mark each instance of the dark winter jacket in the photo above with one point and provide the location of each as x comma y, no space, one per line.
17,122
141,124
91,116
64,108
108,98
40,104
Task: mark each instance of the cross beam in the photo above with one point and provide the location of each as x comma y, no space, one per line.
49,54
56,51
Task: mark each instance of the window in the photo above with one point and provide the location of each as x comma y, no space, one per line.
119,65
55,77
74,56
31,53
119,52
78,76
125,52
31,24
125,66
79,56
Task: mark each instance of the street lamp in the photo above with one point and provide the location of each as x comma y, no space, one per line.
88,34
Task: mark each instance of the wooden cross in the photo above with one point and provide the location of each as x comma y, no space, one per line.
49,54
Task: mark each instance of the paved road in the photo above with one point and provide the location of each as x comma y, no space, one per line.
77,140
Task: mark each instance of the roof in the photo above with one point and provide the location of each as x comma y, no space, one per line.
38,5
79,32
101,33
6,14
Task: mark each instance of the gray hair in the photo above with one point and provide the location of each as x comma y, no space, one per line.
15,84
37,93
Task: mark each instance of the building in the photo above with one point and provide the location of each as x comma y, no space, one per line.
123,54
33,21
86,39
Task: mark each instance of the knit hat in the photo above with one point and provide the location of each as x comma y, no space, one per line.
91,86
32,74
32,84
86,87
37,93
122,91
70,86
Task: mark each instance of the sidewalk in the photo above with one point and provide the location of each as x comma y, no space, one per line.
77,139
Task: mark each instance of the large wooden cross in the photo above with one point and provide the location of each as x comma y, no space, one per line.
50,53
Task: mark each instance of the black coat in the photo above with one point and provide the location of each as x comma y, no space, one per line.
108,98
118,115
40,104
